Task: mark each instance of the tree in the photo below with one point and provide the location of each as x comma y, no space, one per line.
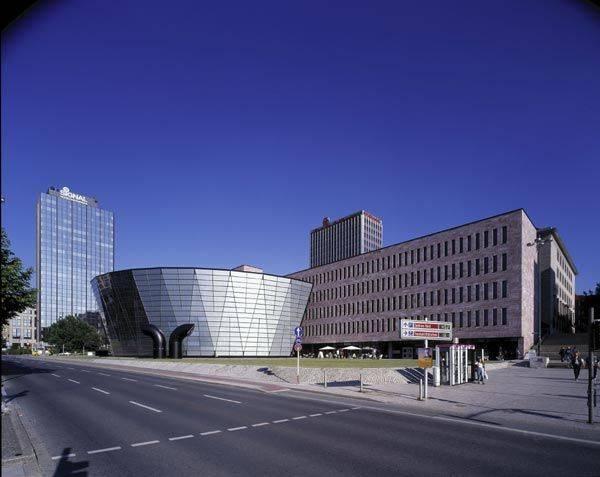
593,292
74,334
16,292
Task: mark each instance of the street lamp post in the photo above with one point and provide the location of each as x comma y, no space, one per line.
538,242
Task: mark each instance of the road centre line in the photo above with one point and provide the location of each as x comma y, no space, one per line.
56,457
209,433
147,443
315,415
104,374
260,424
58,376
129,379
85,371
164,387
330,412
231,429
181,437
144,406
101,390
298,418
108,449
280,420
221,399
73,381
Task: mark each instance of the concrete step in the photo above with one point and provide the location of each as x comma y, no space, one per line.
557,364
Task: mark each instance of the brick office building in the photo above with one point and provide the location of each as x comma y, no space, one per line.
481,276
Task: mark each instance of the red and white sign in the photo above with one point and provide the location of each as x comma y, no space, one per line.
430,330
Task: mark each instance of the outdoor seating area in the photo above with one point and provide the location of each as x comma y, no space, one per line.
346,352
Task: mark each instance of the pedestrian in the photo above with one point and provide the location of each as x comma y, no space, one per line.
568,356
479,372
576,363
562,354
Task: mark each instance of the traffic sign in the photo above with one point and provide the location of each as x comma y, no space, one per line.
297,347
425,330
298,341
299,332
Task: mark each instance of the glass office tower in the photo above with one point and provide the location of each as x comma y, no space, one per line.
75,242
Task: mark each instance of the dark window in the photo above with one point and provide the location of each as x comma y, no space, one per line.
486,265
504,316
469,319
495,237
460,318
486,238
453,246
485,291
504,288
477,244
446,248
460,295
495,290
469,268
461,245
495,317
453,271
468,243
504,260
476,317
477,292
468,292
495,263
476,266
453,295
504,234
485,318
461,269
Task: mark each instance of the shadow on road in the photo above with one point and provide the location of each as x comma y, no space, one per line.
67,467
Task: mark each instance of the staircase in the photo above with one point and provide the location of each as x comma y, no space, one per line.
551,346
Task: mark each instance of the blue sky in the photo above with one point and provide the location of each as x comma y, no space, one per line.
220,133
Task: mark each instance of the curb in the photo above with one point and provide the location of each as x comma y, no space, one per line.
25,464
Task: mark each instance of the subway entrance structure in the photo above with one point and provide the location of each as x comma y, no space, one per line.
184,311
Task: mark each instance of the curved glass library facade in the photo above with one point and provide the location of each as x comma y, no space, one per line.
234,313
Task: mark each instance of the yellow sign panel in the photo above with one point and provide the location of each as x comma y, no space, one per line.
425,357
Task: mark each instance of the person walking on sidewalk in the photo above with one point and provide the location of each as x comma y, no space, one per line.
562,354
577,363
479,373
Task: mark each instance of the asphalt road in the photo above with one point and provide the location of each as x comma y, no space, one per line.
89,421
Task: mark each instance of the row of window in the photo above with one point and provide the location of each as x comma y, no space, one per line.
411,257
469,319
420,277
409,301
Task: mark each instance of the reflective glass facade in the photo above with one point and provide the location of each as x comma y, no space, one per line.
235,313
75,242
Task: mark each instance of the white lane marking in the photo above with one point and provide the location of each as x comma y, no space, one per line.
56,457
231,429
85,371
55,375
147,443
104,374
73,381
108,449
101,390
330,412
353,408
315,415
343,410
280,420
71,368
129,379
144,406
260,424
165,387
458,420
209,433
181,437
221,399
297,418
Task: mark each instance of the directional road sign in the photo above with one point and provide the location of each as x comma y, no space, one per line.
299,332
425,330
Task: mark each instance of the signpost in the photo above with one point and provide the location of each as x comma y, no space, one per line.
298,333
425,330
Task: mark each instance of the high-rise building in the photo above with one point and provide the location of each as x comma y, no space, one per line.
347,237
75,242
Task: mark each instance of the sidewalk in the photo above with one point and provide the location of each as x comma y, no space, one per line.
18,457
